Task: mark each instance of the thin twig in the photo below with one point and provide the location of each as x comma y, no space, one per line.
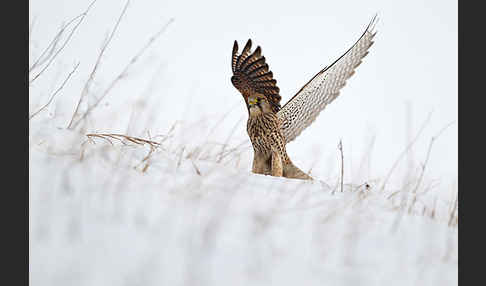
233,150
340,147
87,85
404,152
146,159
91,136
424,165
122,137
195,167
31,28
367,157
180,157
229,111
121,75
452,215
227,140
56,92
83,15
49,50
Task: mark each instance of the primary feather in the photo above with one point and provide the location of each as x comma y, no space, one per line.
304,107
251,75
270,127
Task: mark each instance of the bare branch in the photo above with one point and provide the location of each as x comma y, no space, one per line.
56,92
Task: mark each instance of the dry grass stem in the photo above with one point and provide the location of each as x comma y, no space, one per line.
31,28
146,160
218,122
120,76
453,217
180,156
340,147
409,146
49,50
366,159
123,139
195,168
424,165
87,85
53,54
228,139
56,92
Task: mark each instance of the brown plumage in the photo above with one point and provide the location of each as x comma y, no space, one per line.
263,127
251,75
270,126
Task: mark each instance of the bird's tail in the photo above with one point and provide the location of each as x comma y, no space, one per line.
291,171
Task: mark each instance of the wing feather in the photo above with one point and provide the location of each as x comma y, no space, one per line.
304,107
244,54
234,56
251,75
259,71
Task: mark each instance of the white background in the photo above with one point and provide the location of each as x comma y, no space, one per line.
96,217
186,74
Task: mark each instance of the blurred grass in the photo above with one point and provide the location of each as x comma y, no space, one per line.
109,208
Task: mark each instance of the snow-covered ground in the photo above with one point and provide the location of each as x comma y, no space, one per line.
96,218
189,212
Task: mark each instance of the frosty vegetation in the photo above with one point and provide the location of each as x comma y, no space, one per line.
142,208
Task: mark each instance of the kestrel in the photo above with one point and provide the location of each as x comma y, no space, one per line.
270,126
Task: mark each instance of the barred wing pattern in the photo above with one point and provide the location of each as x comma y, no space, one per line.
251,75
302,109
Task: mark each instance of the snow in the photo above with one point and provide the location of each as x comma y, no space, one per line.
190,212
98,220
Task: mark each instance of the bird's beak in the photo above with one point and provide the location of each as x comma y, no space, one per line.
252,101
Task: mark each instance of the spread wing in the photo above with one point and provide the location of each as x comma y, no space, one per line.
302,109
251,75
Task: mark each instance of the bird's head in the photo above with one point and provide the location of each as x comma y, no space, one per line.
258,104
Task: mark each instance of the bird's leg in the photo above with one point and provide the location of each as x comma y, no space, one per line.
258,164
277,168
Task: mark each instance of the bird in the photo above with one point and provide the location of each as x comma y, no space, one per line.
271,126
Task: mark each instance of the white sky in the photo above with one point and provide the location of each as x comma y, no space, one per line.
186,74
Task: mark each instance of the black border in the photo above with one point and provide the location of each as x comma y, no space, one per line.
15,195
14,115
471,86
